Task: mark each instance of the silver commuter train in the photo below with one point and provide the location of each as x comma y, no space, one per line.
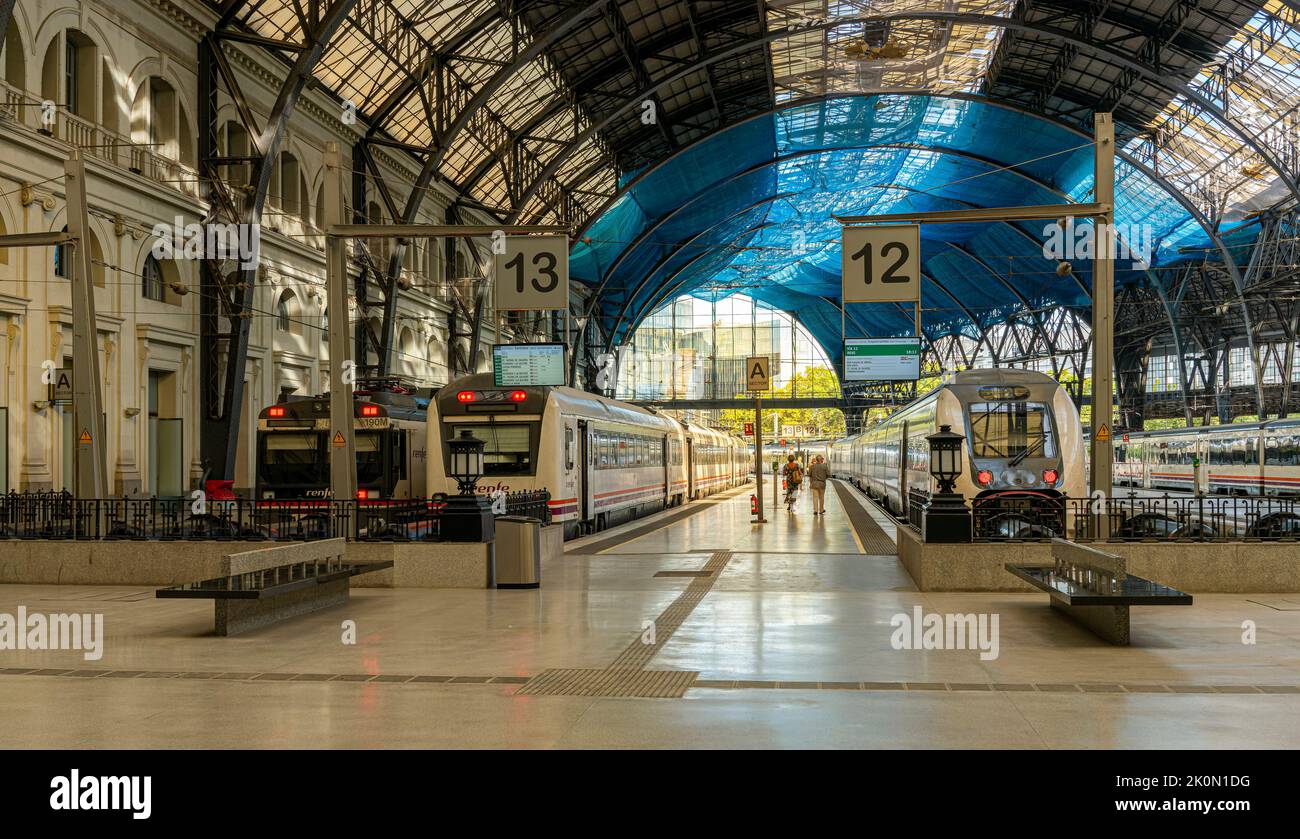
603,461
1239,459
1022,432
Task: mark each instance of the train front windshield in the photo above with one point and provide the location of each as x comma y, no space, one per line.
509,449
301,460
293,460
1011,429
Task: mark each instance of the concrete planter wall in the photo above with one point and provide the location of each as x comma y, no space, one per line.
1196,567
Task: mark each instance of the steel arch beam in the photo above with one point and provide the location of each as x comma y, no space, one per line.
219,437
446,141
1230,265
1110,55
705,194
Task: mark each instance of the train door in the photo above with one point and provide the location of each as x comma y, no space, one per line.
585,460
902,469
667,471
690,471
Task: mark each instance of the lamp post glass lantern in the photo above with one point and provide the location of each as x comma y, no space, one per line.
945,517
466,460
945,457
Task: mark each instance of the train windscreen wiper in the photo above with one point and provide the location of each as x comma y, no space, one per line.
1025,452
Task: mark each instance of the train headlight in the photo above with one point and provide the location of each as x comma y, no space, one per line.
518,396
1050,476
466,396
985,477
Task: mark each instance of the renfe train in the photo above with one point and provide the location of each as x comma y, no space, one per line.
1022,431
603,461
1239,459
293,452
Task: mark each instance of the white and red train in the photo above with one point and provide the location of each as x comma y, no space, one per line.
604,462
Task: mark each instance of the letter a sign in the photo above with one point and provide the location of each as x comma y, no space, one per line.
758,369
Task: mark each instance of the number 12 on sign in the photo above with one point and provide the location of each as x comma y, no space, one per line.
881,264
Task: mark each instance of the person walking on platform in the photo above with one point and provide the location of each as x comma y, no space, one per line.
817,475
793,474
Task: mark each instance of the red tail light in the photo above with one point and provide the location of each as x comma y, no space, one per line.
275,412
985,477
1050,476
369,410
518,396
363,494
466,396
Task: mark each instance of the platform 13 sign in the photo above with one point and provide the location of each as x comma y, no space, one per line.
881,264
532,273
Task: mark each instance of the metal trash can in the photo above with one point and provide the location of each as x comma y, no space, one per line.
518,552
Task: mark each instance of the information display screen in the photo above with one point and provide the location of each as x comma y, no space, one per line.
528,365
882,359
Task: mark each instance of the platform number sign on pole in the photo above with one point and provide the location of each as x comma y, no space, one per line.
758,378
757,373
881,264
532,273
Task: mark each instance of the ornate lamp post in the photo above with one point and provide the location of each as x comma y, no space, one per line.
945,517
467,517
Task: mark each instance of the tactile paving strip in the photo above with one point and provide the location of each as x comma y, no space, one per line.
626,676
645,684
875,541
638,653
668,680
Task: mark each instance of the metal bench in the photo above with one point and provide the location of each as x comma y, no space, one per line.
269,585
1094,589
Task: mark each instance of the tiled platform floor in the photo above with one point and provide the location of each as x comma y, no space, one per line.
791,641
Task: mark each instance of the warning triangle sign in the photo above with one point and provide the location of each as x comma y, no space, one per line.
1103,433
339,440
84,438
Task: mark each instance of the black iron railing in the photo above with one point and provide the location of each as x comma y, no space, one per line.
58,515
1137,518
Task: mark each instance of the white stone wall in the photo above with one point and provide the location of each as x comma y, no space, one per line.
132,42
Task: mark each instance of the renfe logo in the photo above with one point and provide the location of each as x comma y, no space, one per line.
108,792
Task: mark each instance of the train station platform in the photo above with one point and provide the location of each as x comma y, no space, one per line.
695,628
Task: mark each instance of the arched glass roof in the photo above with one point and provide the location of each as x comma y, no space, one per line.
750,208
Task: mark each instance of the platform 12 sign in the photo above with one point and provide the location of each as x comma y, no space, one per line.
881,264
532,273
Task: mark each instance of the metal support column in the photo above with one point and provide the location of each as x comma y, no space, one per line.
342,374
91,474
1103,310
758,457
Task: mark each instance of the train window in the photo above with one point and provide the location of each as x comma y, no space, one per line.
568,447
370,458
1008,429
1120,454
1282,451
293,459
509,449
1252,451
624,453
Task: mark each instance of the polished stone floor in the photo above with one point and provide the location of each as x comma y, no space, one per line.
791,641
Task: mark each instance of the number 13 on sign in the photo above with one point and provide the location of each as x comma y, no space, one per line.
881,264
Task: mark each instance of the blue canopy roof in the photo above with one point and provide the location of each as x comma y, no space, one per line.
750,209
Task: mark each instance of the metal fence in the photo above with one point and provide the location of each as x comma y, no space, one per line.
58,515
1136,518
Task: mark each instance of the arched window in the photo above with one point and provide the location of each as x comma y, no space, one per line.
284,312
68,74
14,63
153,286
64,254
